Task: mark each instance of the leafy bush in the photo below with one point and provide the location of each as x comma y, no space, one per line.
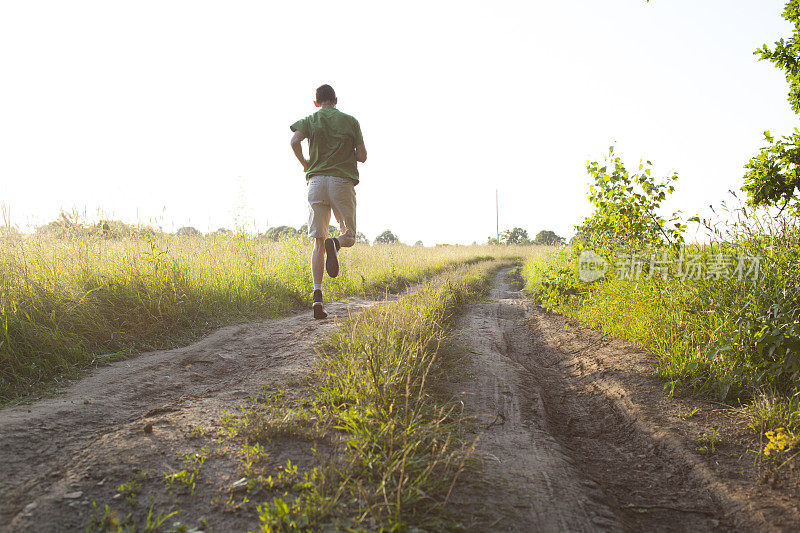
626,207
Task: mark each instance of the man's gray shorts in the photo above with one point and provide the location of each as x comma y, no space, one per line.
326,193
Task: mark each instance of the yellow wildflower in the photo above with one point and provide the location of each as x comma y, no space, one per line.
778,440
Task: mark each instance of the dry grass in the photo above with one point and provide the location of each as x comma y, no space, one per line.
65,302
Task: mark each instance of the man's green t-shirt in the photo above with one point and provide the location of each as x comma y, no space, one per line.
332,139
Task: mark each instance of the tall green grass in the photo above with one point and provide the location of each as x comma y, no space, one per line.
64,302
734,339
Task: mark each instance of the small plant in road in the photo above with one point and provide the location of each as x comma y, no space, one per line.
186,479
709,441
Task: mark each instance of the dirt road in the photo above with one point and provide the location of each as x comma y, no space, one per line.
577,433
91,437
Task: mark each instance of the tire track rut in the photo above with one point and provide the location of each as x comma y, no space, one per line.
558,452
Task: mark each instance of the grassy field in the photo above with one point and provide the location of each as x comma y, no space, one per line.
737,340
66,303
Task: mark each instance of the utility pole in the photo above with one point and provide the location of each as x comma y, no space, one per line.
497,213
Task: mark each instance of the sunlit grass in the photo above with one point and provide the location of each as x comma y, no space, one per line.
64,302
733,338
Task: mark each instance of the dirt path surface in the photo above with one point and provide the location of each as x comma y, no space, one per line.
57,455
578,435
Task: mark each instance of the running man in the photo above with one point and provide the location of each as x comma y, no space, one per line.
334,145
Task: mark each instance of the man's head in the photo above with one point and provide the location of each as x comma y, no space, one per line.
325,96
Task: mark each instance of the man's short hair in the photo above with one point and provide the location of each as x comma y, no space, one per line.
325,93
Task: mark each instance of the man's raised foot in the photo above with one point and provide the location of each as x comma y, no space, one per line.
331,259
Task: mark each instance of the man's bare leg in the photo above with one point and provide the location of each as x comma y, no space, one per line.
317,268
318,261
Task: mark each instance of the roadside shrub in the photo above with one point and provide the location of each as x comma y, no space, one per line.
731,334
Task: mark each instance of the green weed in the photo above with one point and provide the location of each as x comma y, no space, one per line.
709,441
111,522
186,480
690,414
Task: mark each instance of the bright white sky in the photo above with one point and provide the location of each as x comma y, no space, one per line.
179,112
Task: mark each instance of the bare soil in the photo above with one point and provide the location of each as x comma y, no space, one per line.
136,419
575,433
579,435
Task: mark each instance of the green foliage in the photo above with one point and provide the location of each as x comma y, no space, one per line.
626,207
726,336
772,178
777,341
387,237
549,238
514,236
786,52
769,410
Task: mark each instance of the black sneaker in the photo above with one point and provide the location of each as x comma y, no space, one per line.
331,260
317,305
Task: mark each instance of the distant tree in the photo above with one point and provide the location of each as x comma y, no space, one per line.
492,240
148,231
279,233
361,238
188,231
418,243
548,237
221,232
515,236
773,176
113,229
65,226
387,237
303,230
333,231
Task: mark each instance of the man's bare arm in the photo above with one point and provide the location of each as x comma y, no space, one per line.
361,153
297,147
